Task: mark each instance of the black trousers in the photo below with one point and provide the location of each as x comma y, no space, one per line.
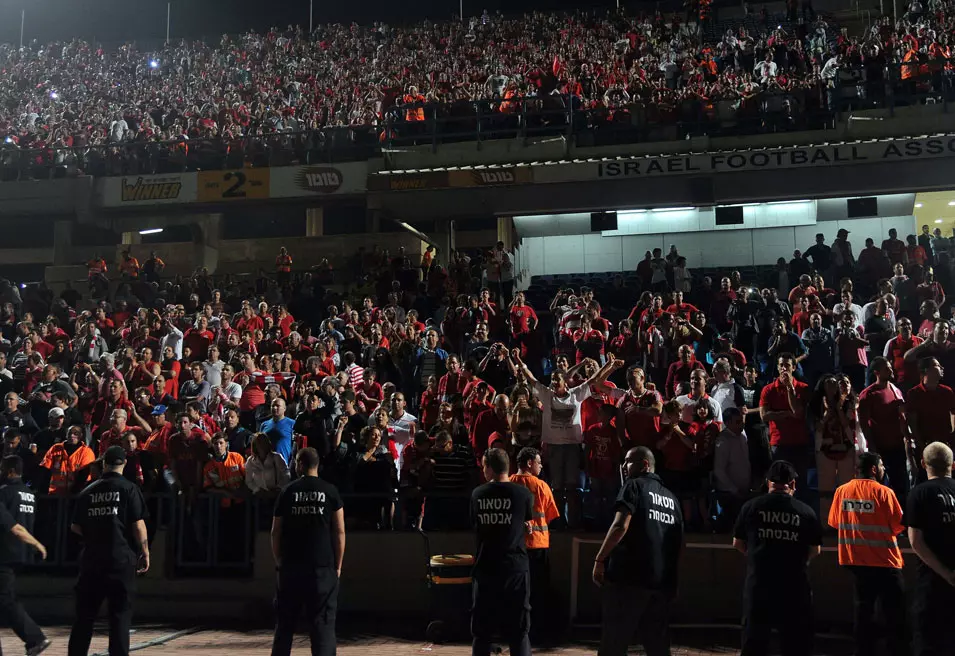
626,609
881,586
790,615
932,617
12,613
501,605
92,588
315,591
542,610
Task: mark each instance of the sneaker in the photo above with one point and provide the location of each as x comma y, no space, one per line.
39,647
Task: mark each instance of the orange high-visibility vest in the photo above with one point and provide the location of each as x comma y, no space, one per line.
283,263
230,473
96,266
544,511
868,516
63,466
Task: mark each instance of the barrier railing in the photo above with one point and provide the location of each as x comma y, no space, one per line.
770,109
205,536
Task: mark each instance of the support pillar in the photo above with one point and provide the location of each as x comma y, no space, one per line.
373,221
207,232
314,221
132,238
505,232
62,242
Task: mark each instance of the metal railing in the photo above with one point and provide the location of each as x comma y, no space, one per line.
771,109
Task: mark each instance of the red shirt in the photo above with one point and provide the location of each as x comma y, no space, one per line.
588,344
487,422
896,353
801,322
790,431
641,429
679,373
603,451
882,417
933,410
677,456
590,407
684,309
520,317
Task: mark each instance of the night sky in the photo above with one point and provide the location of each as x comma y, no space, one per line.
112,21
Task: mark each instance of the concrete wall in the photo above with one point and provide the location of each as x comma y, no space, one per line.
384,574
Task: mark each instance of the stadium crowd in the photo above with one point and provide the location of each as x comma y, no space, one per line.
235,100
403,382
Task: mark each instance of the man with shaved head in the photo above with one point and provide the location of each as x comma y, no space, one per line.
930,517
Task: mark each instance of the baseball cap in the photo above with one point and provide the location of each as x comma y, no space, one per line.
781,472
56,412
115,455
159,410
842,231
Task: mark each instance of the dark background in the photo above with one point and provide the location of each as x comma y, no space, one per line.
112,22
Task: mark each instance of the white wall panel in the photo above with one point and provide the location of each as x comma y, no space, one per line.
602,253
770,244
859,230
906,225
533,256
721,248
564,254
634,249
806,235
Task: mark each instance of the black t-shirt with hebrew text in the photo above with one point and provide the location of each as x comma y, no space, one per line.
499,512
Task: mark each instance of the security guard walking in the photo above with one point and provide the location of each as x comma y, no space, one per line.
17,512
501,512
110,517
308,544
779,536
638,561
868,518
930,516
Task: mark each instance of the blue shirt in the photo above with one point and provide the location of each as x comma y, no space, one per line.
280,434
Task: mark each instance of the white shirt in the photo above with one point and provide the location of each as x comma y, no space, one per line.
765,70
868,311
561,417
689,405
839,308
173,339
725,394
213,372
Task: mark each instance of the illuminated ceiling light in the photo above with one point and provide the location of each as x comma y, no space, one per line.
918,205
674,209
951,203
786,202
150,231
938,220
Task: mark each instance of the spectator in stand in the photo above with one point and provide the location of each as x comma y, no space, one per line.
278,428
821,347
782,407
930,406
563,434
732,471
883,422
894,248
266,471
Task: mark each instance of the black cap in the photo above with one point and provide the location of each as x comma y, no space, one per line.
781,472
115,455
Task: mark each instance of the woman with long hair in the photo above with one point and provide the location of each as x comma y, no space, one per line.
837,434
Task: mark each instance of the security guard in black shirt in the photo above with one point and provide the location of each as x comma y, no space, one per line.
638,561
930,517
501,512
779,536
308,544
110,517
17,512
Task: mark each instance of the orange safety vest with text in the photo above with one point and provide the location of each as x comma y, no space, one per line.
868,516
544,512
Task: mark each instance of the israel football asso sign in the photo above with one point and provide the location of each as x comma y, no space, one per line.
894,150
